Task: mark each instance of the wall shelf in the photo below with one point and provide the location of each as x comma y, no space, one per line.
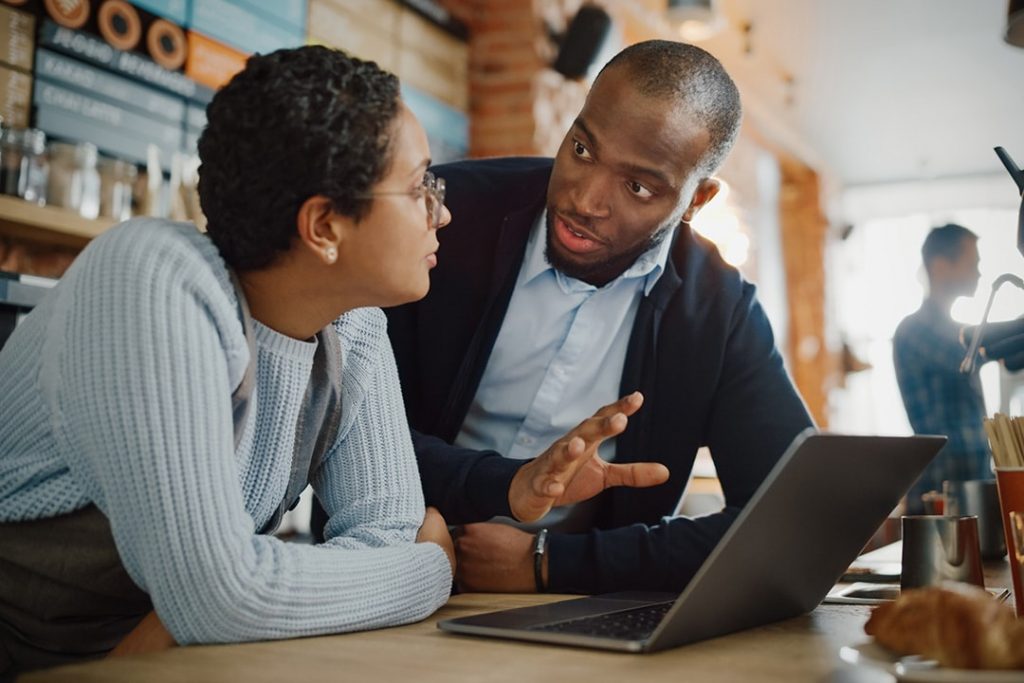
46,224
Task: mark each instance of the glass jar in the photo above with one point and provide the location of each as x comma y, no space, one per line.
117,178
74,181
23,165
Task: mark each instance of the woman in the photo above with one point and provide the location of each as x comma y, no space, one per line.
174,394
168,401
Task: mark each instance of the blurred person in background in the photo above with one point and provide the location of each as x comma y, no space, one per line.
927,353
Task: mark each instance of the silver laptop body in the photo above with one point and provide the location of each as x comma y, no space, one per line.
809,519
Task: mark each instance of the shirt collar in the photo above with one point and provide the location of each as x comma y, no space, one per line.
649,265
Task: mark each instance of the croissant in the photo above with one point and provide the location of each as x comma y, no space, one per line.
958,625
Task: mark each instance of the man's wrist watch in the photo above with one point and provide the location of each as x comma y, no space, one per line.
540,546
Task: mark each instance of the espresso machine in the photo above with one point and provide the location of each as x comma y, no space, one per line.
1002,341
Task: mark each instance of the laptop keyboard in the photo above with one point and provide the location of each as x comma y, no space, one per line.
632,624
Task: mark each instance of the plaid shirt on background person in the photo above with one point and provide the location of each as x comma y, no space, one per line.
939,399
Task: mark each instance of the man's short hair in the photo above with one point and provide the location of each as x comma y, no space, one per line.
946,241
698,81
293,124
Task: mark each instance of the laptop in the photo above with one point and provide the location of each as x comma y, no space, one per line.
810,518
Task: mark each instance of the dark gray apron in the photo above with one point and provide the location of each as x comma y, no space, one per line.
64,593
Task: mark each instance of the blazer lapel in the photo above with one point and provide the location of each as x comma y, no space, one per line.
515,230
641,367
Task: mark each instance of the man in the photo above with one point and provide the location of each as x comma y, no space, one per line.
927,353
563,284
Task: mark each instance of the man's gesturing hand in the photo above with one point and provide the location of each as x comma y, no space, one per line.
570,470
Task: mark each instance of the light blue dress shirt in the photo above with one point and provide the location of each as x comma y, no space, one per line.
558,358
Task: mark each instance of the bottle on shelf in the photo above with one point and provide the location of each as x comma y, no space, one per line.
74,179
117,178
23,164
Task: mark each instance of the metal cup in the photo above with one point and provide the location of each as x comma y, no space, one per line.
939,548
978,497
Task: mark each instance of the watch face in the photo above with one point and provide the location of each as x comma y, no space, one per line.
539,546
540,540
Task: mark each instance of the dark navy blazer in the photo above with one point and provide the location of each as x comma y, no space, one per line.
701,351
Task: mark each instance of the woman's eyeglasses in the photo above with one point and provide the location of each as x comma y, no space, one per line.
431,191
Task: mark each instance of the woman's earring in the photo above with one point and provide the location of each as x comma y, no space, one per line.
331,253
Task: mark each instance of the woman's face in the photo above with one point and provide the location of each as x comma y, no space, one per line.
390,252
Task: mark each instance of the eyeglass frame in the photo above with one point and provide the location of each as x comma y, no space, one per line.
431,189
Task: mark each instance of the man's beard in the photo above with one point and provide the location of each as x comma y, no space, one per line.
601,273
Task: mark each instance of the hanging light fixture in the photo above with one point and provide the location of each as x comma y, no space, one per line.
1015,23
695,20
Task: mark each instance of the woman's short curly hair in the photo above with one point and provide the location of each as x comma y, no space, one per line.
293,124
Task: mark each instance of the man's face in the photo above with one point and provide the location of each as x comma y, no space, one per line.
624,176
965,274
958,276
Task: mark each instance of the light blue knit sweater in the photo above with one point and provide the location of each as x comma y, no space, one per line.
116,390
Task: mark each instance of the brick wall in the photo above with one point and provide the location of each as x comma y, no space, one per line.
517,104
814,366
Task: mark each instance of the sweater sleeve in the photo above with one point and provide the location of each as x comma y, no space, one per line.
140,394
369,485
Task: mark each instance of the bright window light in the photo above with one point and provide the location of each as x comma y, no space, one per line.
722,222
